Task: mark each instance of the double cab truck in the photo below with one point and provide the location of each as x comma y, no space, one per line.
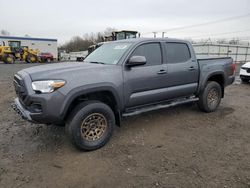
119,79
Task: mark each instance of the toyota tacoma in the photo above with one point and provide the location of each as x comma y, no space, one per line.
119,79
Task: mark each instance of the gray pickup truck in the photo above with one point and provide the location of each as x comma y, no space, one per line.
118,79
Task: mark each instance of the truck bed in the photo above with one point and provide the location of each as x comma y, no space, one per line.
218,64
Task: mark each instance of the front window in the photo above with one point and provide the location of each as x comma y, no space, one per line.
109,53
151,51
14,44
120,36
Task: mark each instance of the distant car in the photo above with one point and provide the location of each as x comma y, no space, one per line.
245,72
46,57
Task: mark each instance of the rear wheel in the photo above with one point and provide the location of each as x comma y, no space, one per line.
90,125
210,98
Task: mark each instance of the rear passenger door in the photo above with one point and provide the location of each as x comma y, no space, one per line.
183,70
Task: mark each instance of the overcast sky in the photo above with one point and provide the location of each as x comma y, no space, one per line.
63,19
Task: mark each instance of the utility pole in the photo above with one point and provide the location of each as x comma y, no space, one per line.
163,34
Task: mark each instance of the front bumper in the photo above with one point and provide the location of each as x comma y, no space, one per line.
245,77
37,108
45,117
25,114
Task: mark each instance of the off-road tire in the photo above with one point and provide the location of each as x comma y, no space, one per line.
79,115
205,102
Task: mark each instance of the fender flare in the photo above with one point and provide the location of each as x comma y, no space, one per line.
204,81
82,90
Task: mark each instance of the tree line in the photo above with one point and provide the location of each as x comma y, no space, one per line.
78,43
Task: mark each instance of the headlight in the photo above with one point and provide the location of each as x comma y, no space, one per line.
47,86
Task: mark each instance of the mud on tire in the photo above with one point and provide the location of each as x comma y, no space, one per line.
210,97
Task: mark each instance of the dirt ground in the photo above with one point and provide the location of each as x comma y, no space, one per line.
176,147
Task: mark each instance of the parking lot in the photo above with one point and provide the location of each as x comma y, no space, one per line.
175,147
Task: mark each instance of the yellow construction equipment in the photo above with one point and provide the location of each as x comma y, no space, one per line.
6,54
29,55
115,35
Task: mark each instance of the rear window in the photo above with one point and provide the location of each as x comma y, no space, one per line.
177,52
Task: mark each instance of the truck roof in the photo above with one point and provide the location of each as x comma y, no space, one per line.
135,40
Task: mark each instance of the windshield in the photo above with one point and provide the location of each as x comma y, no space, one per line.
108,53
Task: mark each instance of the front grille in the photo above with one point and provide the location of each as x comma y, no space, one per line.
20,88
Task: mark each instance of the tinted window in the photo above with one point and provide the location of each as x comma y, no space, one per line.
151,51
177,52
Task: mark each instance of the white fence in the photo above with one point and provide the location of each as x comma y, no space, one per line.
239,53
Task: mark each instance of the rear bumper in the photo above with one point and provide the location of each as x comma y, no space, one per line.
230,80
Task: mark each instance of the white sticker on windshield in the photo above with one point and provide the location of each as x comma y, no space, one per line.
120,47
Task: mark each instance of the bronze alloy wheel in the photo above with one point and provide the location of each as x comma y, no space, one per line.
213,98
90,125
93,127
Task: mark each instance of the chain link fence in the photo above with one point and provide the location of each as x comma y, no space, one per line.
239,53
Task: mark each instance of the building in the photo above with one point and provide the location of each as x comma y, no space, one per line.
42,44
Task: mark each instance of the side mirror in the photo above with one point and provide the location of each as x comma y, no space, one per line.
136,61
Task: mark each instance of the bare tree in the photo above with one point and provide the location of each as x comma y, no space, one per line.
108,31
78,43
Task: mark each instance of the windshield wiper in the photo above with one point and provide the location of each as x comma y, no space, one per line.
97,62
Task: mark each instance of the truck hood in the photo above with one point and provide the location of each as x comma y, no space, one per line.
64,70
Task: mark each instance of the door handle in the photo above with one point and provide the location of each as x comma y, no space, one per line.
191,68
162,72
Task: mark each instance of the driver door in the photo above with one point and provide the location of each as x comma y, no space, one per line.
141,83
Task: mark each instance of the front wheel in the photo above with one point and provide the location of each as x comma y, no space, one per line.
90,125
210,97
9,59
